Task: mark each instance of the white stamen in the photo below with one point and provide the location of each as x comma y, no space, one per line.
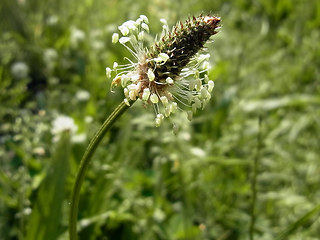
210,86
126,102
141,36
131,25
151,75
124,80
144,18
108,72
167,111
194,108
204,93
203,57
154,98
190,97
145,27
169,80
123,40
206,78
192,84
133,40
126,92
197,102
164,57
115,38
206,65
164,100
157,122
124,30
163,21
173,107
146,94
139,21
198,84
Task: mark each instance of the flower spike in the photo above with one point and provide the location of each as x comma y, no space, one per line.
170,72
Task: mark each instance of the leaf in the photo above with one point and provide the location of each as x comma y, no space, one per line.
46,217
275,103
301,221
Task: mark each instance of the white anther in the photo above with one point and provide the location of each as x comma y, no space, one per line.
198,84
124,40
192,84
194,108
173,107
154,98
132,95
169,80
203,57
204,92
146,94
163,21
115,38
124,30
210,85
164,57
145,27
150,75
144,18
131,25
126,102
108,72
164,100
197,102
126,92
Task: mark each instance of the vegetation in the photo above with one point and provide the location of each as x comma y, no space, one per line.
247,167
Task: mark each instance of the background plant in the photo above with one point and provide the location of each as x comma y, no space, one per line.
147,183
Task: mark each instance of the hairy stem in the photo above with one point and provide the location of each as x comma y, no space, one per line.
84,166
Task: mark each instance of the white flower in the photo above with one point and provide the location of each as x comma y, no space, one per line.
77,36
83,95
62,124
50,55
170,72
19,70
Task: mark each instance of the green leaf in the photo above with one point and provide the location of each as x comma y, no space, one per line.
45,221
301,221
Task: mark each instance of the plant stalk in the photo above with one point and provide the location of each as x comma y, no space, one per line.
84,164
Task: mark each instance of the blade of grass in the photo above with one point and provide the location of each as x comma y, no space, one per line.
84,164
45,220
301,221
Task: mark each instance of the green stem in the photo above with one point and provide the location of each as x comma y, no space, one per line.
85,163
254,183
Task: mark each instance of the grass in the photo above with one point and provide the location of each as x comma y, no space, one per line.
147,182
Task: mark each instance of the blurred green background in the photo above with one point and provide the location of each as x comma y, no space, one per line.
247,167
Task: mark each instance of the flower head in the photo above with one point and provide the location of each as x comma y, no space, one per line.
170,72
63,124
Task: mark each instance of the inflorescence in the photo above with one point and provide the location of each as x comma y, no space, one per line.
172,71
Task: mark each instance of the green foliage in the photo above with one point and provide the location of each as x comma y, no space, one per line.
46,217
146,182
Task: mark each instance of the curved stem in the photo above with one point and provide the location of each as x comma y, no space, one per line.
84,166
